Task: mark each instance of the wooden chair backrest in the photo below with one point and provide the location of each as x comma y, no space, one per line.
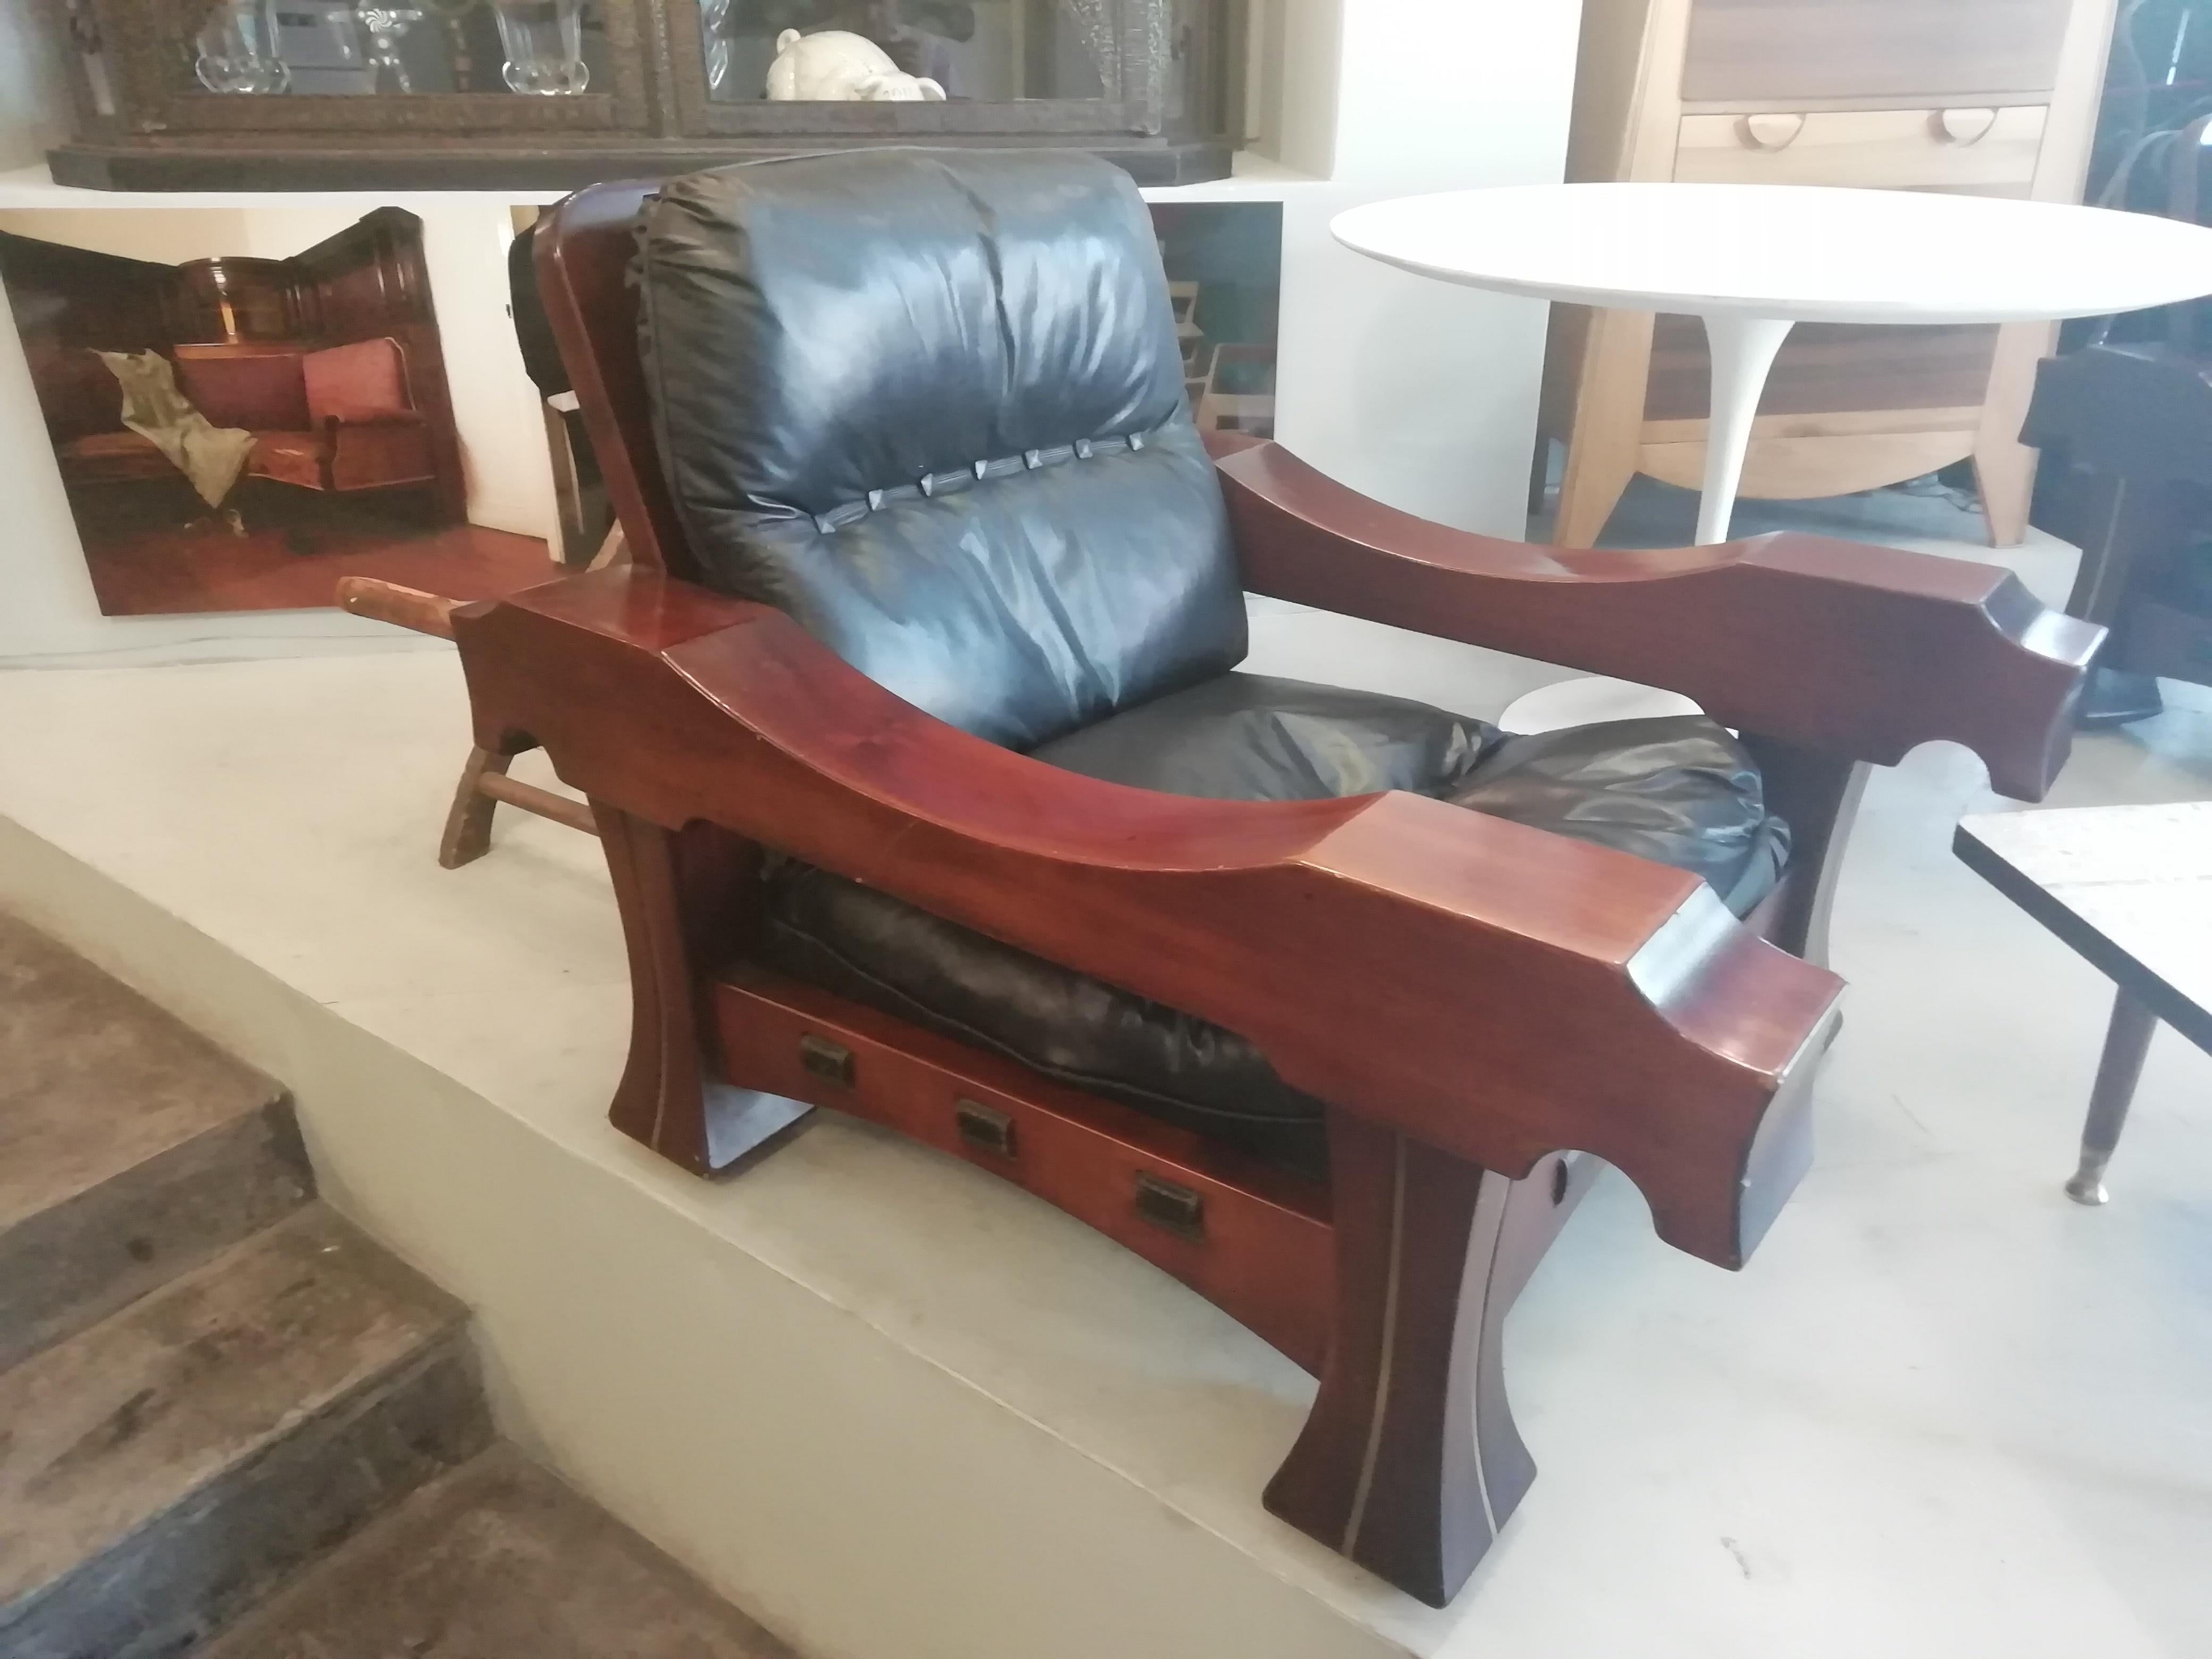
583,250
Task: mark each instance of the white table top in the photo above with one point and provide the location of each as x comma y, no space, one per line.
2131,884
1803,252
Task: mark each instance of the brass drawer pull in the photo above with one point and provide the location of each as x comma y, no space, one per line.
1177,1209
1962,126
825,1059
984,1128
1769,131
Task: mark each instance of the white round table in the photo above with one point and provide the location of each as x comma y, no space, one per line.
1752,260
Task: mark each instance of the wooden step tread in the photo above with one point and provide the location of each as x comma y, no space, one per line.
163,1468
130,1150
94,1080
497,1560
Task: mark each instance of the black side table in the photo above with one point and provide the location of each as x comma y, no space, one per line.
2130,888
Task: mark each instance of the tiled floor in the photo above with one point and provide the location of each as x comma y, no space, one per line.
1944,1414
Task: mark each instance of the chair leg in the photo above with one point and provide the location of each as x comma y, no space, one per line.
683,897
1600,468
468,825
1410,1463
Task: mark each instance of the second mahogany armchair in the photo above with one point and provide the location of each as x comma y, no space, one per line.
931,794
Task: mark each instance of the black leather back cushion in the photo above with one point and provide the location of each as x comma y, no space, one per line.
930,403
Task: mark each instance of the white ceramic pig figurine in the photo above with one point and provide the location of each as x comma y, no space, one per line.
837,66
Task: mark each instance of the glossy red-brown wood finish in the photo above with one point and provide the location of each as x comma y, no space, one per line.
688,897
1467,995
1620,1010
1859,652
1263,1250
1409,1462
583,252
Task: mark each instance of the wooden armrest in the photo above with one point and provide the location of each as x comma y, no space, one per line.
1492,990
1857,651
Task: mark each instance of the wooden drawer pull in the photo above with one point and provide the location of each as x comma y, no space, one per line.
1962,126
831,1061
984,1128
1165,1204
1769,131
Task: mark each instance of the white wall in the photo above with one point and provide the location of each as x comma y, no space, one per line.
503,445
31,113
166,239
1412,390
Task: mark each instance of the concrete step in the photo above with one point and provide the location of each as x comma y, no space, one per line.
164,1469
131,1148
497,1560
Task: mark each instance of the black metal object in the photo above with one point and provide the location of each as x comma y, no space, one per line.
2126,476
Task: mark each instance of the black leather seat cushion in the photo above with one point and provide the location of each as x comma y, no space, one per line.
1248,737
1679,790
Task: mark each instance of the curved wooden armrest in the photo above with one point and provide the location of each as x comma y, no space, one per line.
1491,989
1857,651
403,607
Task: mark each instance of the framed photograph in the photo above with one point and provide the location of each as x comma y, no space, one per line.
247,406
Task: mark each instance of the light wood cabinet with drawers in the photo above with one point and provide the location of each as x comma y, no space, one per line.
1981,97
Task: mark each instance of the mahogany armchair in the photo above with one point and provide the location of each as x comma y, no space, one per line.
932,570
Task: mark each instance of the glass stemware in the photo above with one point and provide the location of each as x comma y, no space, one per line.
544,44
238,51
712,15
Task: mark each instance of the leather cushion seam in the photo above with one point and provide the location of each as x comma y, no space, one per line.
934,484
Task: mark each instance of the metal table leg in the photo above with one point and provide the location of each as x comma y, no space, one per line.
2127,1040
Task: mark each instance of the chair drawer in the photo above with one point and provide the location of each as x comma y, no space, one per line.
1985,150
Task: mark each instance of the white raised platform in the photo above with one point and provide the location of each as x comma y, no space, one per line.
897,1408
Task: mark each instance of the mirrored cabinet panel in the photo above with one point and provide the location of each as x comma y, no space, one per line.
335,47
991,51
550,93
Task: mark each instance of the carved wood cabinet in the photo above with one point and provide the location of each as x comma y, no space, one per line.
1979,97
234,299
344,94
